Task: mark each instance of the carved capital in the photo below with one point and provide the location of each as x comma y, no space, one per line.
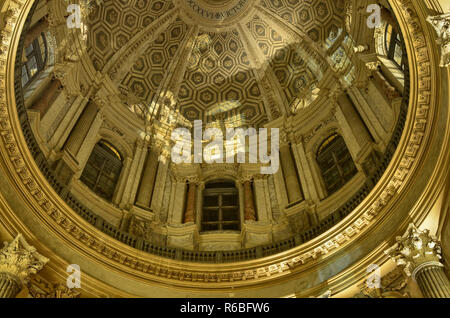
195,180
415,250
441,24
20,260
373,66
246,177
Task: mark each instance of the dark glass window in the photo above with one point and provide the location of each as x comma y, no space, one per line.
335,163
220,207
102,170
34,59
394,46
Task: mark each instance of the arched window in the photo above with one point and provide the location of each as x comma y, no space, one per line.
393,46
220,207
335,163
34,59
102,170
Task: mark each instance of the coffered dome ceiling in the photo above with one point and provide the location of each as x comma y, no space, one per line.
242,60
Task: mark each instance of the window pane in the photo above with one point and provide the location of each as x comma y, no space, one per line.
102,172
336,164
210,227
388,36
210,201
24,76
29,49
229,200
32,66
398,54
230,214
348,168
211,215
90,174
231,227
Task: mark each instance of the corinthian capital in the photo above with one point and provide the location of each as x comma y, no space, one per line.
441,24
415,250
20,260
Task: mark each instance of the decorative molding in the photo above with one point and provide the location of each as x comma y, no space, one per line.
38,288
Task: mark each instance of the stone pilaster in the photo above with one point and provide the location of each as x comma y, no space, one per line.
131,180
177,197
18,261
79,144
62,132
370,117
81,129
290,174
44,101
148,179
419,254
262,198
189,214
249,202
310,185
161,176
355,134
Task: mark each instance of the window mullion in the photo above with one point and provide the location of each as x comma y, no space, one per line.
100,173
337,165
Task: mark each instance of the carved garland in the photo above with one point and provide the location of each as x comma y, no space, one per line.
93,245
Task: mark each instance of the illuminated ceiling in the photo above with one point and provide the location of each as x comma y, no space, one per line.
244,61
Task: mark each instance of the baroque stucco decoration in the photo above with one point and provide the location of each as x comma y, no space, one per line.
441,24
415,249
20,260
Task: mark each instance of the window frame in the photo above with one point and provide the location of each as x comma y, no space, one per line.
396,40
219,193
36,52
96,185
338,164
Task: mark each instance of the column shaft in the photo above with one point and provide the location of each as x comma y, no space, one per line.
310,184
9,287
132,179
433,282
389,91
148,180
189,215
158,192
249,211
290,174
44,102
355,134
81,129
